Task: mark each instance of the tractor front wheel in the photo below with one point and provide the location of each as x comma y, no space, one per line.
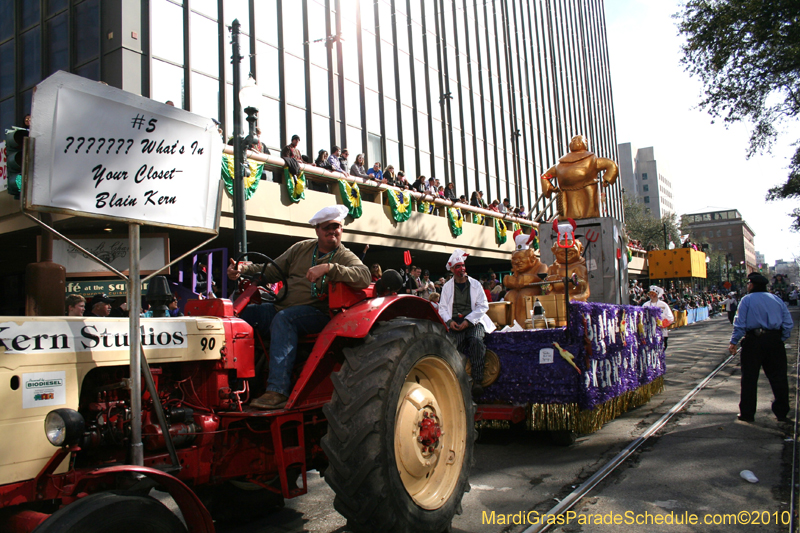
113,511
400,430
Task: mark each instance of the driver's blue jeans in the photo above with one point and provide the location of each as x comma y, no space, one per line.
283,329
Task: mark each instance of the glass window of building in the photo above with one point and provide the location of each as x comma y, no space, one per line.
317,51
404,74
319,96
237,9
375,151
7,68
388,68
645,187
210,8
373,109
57,36
6,21
354,144
166,22
321,131
422,140
29,14
205,95
350,59
390,118
402,32
369,60
267,67
269,118
31,57
204,49
266,17
730,232
167,82
385,18
296,125
244,50
352,103
295,77
409,165
647,199
90,70
7,112
730,245
719,233
424,164
644,175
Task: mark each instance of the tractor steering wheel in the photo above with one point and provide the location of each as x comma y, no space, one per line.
265,293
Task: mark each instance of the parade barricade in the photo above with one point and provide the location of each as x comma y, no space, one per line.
617,363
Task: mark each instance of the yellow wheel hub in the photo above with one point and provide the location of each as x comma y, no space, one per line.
430,432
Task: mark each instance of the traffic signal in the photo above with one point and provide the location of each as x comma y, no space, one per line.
15,137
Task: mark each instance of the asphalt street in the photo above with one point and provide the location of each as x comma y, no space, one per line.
691,466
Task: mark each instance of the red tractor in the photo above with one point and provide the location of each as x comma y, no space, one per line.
381,407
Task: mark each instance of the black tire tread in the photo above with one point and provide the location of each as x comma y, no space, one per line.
355,443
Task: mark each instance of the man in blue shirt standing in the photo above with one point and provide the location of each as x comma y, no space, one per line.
763,324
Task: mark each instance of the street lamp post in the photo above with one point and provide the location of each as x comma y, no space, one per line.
248,96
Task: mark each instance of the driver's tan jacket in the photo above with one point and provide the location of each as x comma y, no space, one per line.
346,267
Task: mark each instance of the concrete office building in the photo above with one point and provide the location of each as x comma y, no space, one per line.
727,233
646,179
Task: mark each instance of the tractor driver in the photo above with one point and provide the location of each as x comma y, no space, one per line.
309,266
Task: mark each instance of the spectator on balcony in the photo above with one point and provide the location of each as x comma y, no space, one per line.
402,182
258,146
504,207
322,160
432,189
494,206
419,185
440,191
375,172
333,160
292,150
357,169
450,192
389,177
343,160
482,201
474,201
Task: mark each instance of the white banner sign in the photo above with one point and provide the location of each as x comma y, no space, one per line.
88,336
110,154
113,250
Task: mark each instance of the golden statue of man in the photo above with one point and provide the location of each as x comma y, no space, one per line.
576,175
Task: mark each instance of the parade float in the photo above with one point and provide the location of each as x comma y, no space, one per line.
567,355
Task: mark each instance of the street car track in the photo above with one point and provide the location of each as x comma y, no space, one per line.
575,496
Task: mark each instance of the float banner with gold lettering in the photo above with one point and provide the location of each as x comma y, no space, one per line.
677,263
105,153
615,350
250,182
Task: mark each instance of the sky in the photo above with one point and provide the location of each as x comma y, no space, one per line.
656,104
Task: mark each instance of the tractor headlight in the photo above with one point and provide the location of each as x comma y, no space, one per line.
63,427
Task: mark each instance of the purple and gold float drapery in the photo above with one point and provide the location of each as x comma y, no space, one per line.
619,351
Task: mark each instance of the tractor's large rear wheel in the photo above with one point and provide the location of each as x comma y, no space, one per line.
113,511
400,430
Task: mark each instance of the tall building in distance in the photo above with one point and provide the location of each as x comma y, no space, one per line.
727,233
483,94
646,179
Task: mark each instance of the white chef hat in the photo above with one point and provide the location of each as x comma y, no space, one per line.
458,256
656,289
335,213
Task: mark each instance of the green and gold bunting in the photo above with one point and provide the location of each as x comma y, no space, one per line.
296,185
351,197
456,220
500,231
400,202
629,254
515,227
250,183
535,243
477,218
424,207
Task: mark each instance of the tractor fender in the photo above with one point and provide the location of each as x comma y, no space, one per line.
355,322
198,519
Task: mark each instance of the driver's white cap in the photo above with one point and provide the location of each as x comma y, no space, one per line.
327,214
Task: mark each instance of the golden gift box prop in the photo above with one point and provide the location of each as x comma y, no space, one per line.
677,263
570,417
500,314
